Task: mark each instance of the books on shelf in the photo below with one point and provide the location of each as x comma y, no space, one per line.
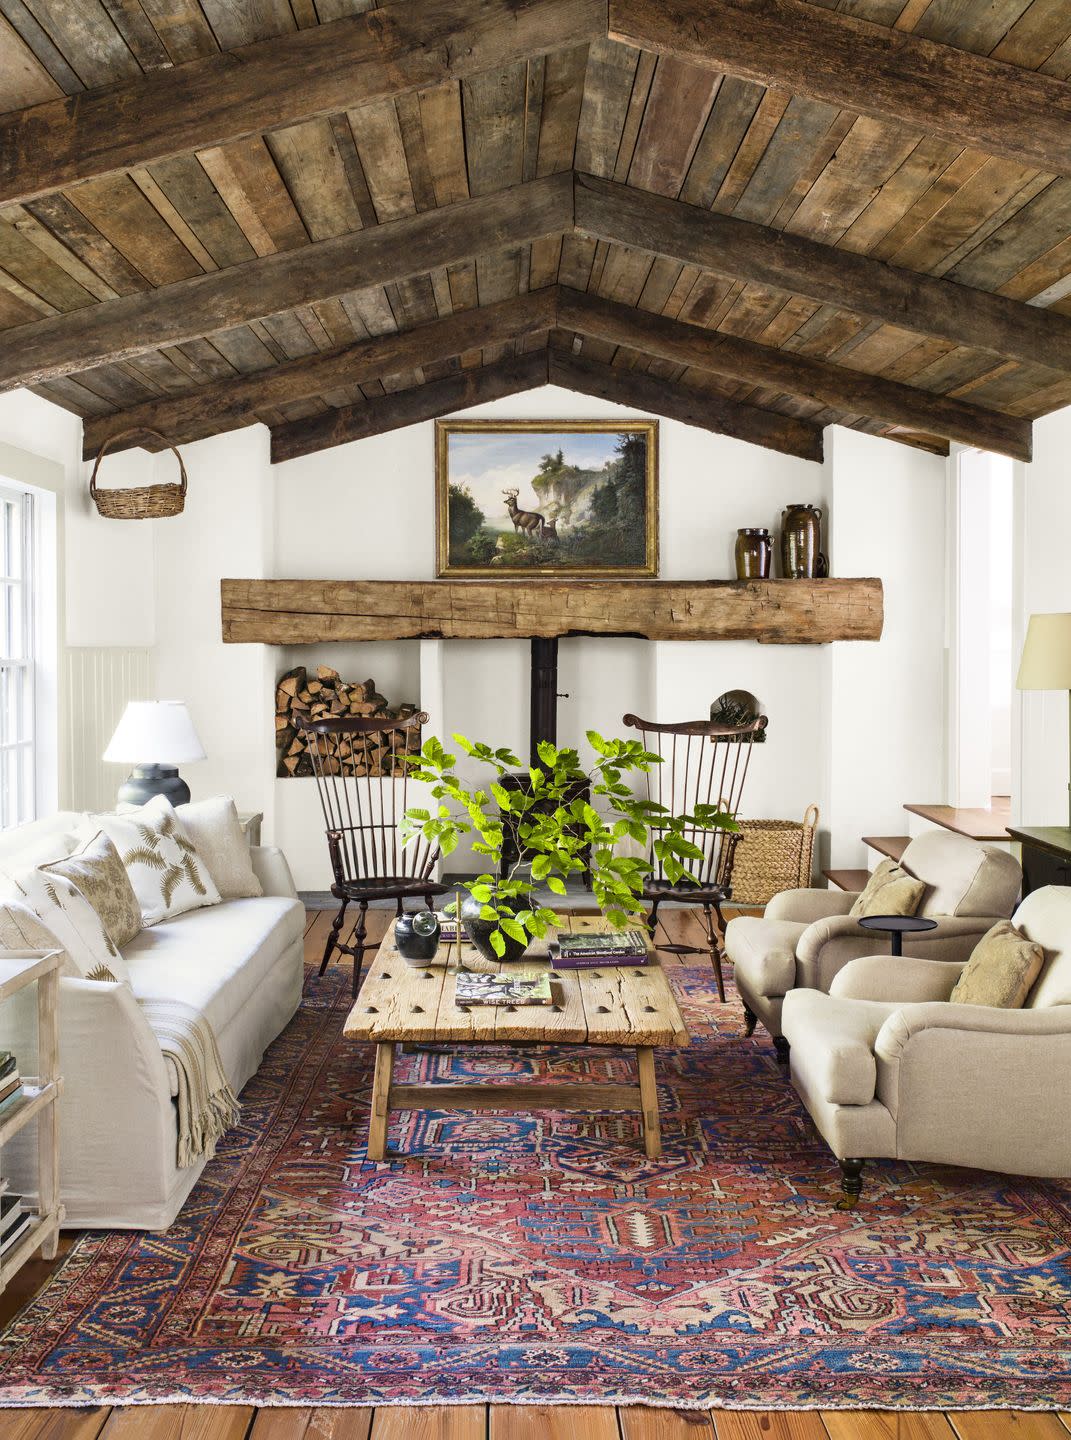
586,950
10,1087
8,1064
477,988
14,1220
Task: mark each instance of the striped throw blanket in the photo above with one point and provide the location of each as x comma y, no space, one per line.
207,1105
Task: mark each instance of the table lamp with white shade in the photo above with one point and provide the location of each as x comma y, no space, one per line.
155,737
1046,662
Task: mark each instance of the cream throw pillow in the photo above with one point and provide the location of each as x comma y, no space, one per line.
65,921
97,871
1001,971
889,891
168,875
215,829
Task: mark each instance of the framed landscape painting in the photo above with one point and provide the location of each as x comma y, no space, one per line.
547,497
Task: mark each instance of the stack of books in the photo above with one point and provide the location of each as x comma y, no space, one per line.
10,1081
505,988
14,1221
588,951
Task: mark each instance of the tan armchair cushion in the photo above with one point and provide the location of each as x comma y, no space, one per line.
962,877
1001,971
763,952
1045,917
889,891
832,1044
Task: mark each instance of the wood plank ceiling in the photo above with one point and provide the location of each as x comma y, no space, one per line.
296,210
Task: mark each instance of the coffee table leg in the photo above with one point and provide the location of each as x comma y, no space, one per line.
381,1080
652,1135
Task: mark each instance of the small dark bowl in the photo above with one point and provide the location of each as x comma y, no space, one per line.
416,946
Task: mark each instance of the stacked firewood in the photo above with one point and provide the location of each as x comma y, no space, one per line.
325,694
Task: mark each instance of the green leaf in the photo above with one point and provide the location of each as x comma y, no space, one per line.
540,867
555,885
514,930
498,943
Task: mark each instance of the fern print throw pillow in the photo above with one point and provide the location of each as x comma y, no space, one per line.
67,922
167,872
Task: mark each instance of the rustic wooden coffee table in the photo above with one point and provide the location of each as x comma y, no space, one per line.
629,1006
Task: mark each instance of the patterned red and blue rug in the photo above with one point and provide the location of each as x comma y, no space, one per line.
540,1257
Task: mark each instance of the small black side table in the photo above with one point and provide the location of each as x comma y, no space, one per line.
897,927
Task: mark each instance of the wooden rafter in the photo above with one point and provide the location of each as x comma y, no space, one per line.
851,391
744,250
967,99
684,402
407,407
324,70
207,304
229,404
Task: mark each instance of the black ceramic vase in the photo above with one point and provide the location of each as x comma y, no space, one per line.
479,931
417,937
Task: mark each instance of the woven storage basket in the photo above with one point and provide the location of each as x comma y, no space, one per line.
138,502
773,855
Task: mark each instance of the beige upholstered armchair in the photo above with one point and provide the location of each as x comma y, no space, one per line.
889,1069
806,936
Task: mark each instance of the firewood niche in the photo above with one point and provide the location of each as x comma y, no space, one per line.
326,693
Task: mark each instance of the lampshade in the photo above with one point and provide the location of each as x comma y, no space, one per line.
1046,662
159,732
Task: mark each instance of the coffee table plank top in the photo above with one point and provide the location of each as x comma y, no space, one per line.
610,1006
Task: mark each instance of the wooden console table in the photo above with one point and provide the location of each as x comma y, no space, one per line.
1046,855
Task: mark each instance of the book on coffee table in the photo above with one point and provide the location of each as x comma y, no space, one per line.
586,950
472,987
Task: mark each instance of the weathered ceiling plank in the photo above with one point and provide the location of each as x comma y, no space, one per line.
745,250
322,70
966,99
189,309
774,612
232,403
684,402
852,391
407,407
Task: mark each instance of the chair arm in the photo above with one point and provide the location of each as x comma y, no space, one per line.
825,947
979,1086
805,906
901,980
272,870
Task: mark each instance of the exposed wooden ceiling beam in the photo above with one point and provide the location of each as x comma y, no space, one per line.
684,402
207,304
407,407
744,250
230,404
323,70
851,391
966,99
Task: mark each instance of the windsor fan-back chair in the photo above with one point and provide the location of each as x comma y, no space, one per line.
362,776
703,763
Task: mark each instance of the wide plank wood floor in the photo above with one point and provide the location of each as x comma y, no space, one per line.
493,1422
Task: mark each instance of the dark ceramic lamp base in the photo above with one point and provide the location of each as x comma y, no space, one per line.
145,781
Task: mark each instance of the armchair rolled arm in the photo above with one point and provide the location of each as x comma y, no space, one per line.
979,1086
826,947
805,906
904,980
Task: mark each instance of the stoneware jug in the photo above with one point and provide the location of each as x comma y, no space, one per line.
800,542
754,552
417,936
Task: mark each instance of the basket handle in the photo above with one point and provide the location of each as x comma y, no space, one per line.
810,816
124,435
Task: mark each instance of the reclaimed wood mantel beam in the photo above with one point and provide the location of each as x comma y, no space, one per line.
774,612
407,407
323,70
746,250
622,386
854,64
206,304
232,403
852,391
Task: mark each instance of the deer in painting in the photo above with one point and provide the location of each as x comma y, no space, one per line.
525,522
550,529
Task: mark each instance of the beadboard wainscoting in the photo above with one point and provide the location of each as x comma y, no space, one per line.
100,681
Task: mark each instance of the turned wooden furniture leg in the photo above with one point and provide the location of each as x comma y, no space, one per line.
750,1020
851,1184
381,1081
332,939
652,1132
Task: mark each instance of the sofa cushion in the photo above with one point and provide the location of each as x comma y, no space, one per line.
97,871
1045,917
215,829
832,1043
962,876
891,890
763,952
1001,971
167,873
214,959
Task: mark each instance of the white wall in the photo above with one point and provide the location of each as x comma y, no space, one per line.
1042,583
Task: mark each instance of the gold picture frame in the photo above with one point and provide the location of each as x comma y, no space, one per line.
585,509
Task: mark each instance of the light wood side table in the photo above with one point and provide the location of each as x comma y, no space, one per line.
37,1102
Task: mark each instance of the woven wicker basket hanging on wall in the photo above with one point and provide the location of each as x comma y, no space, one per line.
773,855
138,502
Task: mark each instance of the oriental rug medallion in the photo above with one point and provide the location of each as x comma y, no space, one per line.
540,1257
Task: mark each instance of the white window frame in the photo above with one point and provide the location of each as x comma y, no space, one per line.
19,660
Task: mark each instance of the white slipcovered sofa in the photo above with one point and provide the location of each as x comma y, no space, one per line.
239,963
890,1069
